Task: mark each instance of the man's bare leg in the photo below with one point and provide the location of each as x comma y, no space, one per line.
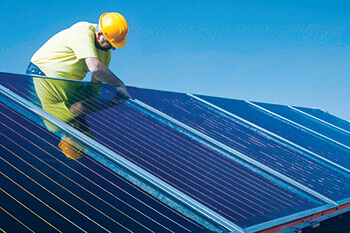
69,145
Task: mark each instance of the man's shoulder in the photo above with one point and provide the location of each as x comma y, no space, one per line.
83,26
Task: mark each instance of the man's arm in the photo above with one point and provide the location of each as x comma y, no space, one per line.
101,72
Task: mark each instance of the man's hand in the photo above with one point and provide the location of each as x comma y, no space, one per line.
121,96
103,74
124,92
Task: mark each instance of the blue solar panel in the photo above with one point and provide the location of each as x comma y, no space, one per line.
292,133
240,192
334,120
309,172
233,190
319,127
42,191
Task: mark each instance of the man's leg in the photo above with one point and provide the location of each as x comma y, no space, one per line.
81,109
88,106
85,101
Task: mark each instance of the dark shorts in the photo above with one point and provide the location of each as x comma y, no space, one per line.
33,69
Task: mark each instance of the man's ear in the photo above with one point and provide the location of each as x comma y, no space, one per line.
98,35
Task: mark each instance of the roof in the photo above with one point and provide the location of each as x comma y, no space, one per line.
166,161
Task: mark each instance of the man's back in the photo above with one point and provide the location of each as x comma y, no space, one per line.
63,55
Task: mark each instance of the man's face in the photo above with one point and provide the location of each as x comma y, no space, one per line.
103,44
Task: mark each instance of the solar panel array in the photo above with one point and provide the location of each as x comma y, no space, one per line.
324,130
167,161
42,191
287,161
301,137
324,116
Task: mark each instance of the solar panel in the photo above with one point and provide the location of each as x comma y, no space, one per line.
251,143
327,117
314,125
306,141
42,191
204,184
191,167
208,182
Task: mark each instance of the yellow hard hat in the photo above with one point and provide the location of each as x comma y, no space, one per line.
115,28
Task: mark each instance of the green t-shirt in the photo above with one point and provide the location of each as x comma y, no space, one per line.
63,56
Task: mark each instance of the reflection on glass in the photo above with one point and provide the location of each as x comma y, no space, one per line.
68,101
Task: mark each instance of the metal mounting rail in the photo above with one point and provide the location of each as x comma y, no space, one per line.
188,206
300,126
268,132
318,119
239,154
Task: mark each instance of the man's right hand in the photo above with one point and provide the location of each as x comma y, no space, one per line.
121,96
124,92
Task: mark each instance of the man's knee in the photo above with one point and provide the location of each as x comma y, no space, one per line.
78,108
79,123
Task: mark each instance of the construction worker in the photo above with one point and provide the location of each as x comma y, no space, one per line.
71,54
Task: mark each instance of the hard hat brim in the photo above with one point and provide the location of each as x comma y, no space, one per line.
118,45
70,151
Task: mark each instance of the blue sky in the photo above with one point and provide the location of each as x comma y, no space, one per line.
279,51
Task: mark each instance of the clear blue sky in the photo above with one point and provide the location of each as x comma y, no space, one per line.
294,52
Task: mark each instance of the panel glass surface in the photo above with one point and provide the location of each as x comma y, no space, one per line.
313,174
332,119
219,183
43,191
285,111
292,133
228,187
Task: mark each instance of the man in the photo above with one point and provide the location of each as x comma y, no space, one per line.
71,54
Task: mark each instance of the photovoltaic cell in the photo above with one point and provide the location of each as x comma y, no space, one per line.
334,120
228,187
291,132
42,191
308,122
234,191
319,177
